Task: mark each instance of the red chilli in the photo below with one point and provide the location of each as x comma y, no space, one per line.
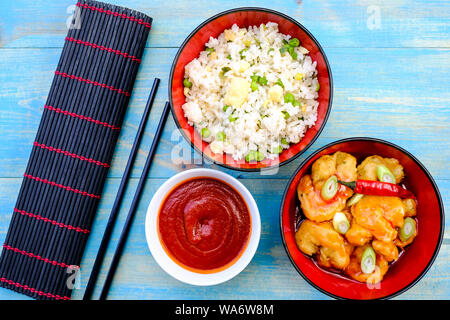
377,188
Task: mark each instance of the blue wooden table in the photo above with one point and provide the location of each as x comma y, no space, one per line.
390,61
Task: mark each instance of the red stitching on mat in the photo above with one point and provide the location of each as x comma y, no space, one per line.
67,113
32,255
39,292
95,83
116,14
73,155
96,46
52,183
56,223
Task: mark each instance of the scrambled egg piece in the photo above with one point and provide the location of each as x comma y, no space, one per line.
367,170
229,35
243,66
213,55
237,92
321,238
275,93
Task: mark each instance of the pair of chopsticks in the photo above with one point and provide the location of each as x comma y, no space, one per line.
119,197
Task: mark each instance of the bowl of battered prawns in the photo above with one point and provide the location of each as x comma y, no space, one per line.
362,218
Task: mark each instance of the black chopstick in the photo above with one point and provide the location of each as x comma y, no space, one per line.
119,196
134,205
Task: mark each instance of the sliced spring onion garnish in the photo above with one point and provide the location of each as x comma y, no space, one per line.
340,223
187,83
329,188
277,150
251,156
206,133
408,229
354,199
220,136
368,260
384,174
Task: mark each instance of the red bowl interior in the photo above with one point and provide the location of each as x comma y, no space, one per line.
246,17
418,257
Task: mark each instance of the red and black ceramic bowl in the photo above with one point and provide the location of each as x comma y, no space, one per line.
245,17
412,264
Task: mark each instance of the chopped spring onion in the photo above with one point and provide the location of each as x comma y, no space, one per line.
294,42
284,141
354,199
293,55
262,80
289,97
232,118
329,188
284,49
384,174
368,260
206,132
187,83
224,70
220,136
280,83
241,53
225,108
254,85
277,150
318,87
259,156
340,223
408,229
286,114
253,155
210,50
229,57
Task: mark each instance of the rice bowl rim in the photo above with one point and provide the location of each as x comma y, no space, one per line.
240,9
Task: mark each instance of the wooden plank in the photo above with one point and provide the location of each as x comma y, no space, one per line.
336,23
377,93
139,277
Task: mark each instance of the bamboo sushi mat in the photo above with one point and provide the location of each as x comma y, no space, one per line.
73,149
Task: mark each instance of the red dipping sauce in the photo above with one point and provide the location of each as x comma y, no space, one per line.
204,225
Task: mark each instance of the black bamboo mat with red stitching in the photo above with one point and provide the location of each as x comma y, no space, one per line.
73,149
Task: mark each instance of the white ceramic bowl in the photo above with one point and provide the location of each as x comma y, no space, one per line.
171,267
